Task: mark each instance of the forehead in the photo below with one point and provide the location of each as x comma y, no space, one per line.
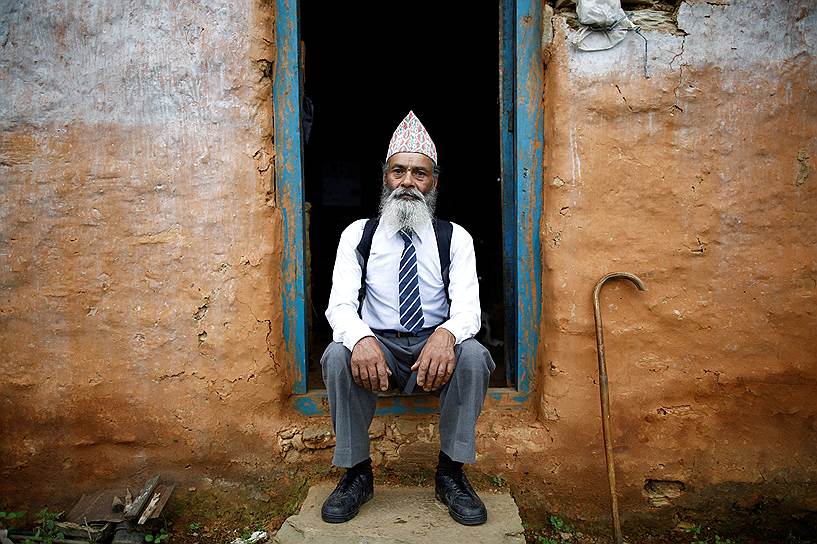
410,160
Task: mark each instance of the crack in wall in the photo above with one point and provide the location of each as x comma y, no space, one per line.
267,341
675,106
625,99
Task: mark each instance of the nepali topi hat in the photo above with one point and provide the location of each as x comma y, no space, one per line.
412,137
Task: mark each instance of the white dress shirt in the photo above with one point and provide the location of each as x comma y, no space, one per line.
380,306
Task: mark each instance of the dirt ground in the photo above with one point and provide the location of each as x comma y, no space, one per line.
219,511
221,514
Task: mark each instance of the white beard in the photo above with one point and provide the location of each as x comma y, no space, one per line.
401,214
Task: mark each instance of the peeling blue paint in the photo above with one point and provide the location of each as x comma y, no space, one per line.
528,131
289,182
307,406
522,125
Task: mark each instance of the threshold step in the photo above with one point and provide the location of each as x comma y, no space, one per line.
402,515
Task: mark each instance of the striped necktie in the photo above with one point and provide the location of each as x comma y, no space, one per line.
411,308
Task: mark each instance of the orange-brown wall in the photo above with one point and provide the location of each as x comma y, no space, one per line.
699,180
139,244
140,313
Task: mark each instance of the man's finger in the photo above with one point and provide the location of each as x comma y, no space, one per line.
382,370
439,380
374,381
364,378
422,368
431,375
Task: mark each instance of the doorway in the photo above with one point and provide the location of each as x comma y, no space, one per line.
359,81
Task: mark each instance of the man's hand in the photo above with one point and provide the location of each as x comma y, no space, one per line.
369,368
436,362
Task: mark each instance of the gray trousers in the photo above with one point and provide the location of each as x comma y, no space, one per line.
352,407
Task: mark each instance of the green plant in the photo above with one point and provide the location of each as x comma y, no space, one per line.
560,525
7,519
47,531
719,540
545,540
497,480
159,537
695,530
194,526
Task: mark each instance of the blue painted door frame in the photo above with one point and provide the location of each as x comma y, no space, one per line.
522,130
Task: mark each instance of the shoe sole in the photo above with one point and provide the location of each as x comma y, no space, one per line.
476,520
328,518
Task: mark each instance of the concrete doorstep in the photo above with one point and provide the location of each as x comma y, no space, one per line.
402,515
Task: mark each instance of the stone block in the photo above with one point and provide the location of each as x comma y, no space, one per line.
318,437
405,515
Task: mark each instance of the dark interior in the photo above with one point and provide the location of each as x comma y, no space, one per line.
359,80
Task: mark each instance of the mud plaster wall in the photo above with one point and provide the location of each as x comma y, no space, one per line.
140,316
699,180
139,244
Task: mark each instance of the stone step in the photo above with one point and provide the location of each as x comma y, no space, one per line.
402,515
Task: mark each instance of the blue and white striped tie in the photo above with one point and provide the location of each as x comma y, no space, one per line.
411,308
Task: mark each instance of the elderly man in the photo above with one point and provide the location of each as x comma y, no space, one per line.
404,309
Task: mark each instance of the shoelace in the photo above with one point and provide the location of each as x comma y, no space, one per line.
349,482
461,484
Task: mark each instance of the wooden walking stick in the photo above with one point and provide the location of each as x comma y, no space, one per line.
604,394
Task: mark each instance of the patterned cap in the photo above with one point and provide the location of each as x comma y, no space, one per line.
411,137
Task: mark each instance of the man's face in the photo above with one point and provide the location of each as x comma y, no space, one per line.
410,170
409,191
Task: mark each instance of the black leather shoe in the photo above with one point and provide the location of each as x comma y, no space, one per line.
351,493
455,491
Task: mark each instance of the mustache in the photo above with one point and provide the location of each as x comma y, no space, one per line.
407,191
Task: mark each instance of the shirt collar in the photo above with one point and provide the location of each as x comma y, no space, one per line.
422,233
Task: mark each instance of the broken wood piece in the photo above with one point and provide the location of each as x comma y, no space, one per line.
141,499
166,491
96,508
117,505
149,508
95,532
128,498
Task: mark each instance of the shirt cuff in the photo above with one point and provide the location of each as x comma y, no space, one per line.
355,333
460,335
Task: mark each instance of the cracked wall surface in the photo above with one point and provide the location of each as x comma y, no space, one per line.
691,180
140,314
139,244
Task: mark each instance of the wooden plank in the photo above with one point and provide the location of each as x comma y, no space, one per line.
149,509
316,403
289,182
529,131
166,491
133,511
96,508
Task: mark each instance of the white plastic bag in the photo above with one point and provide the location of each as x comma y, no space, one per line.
604,24
599,14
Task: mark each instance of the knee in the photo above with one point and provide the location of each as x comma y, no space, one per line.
474,358
335,360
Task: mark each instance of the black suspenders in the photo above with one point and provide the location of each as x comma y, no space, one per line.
442,231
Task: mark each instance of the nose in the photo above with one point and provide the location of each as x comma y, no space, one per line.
408,179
